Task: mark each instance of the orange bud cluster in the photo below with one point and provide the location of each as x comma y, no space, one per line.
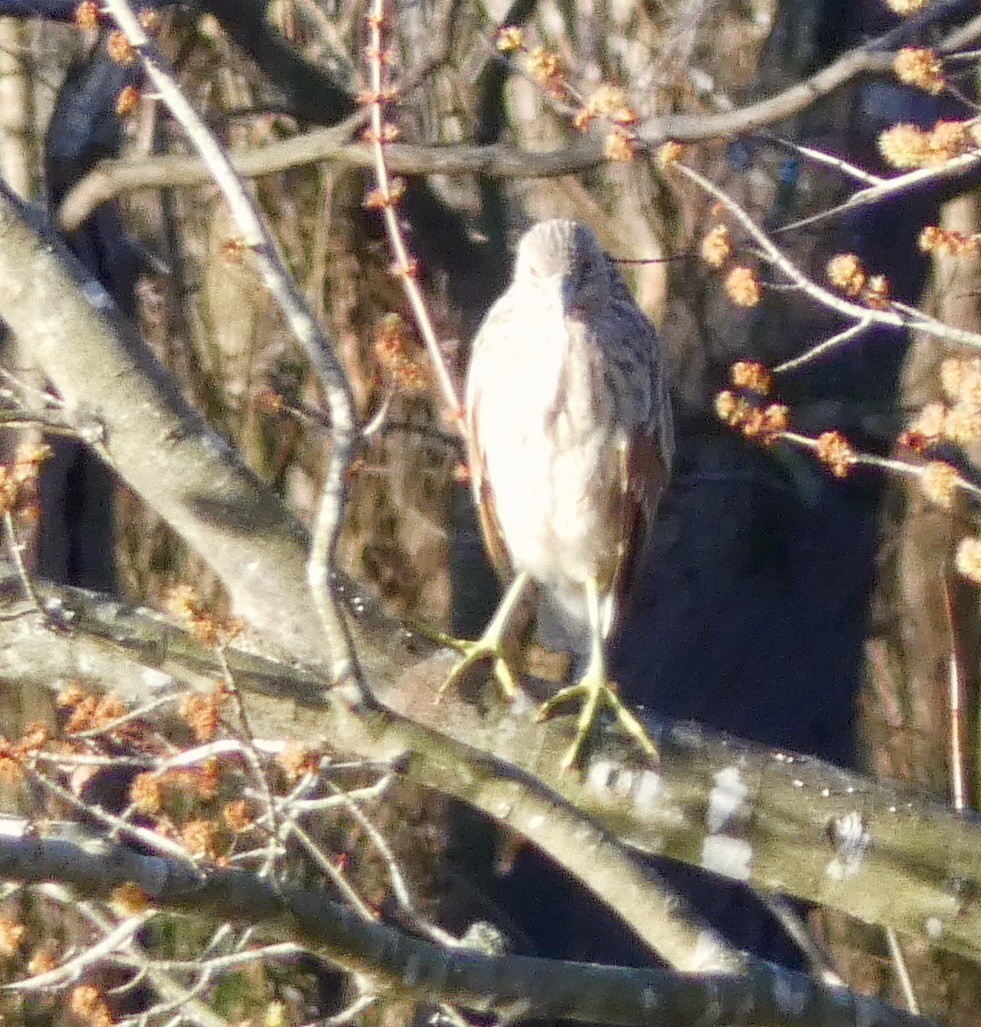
410,269
846,273
716,246
509,38
14,754
620,145
202,712
234,249
835,452
86,1004
127,100
377,199
960,421
751,374
905,7
379,54
753,421
200,838
131,898
366,97
919,66
608,102
876,293
544,65
42,961
741,407
297,760
909,146
934,239
11,936
95,713
237,815
389,133
961,380
148,790
119,48
968,559
545,68
184,602
393,340
87,15
19,481
670,153
939,480
742,286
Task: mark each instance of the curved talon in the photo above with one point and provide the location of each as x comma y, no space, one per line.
595,691
492,644
474,653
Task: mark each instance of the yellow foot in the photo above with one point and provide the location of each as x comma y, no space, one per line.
488,648
595,691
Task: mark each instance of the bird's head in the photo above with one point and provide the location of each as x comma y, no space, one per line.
564,259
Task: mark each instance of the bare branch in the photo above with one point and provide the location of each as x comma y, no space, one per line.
506,986
113,178
903,869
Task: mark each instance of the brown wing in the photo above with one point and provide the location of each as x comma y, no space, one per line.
490,526
644,474
647,457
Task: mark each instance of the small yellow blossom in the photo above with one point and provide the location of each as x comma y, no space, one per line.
670,153
835,451
743,287
968,559
919,66
938,480
716,246
845,272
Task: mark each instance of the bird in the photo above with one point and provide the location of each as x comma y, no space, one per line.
570,440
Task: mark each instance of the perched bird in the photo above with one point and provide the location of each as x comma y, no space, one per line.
570,441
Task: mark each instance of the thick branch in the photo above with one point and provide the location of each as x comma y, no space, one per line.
153,439
111,178
777,821
509,986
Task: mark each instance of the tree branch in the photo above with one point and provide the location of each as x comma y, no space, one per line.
776,821
508,986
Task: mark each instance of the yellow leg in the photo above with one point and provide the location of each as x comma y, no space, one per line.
596,690
490,646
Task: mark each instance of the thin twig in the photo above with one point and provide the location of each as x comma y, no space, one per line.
404,265
957,695
400,888
74,968
823,347
902,971
893,317
16,548
283,288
